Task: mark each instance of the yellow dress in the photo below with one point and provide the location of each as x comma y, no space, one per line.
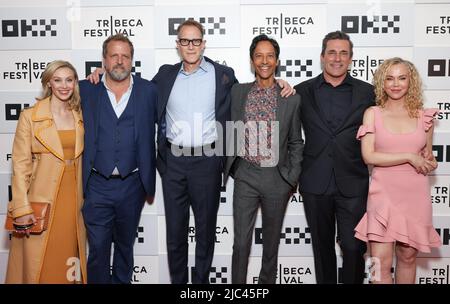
61,255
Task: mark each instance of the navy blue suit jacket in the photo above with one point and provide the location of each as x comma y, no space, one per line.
145,95
165,79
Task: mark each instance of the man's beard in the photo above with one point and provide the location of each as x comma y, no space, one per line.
119,74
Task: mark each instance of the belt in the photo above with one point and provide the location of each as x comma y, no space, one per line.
194,151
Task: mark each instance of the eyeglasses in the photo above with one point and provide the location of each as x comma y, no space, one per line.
185,42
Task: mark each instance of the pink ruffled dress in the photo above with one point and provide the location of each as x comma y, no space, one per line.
399,203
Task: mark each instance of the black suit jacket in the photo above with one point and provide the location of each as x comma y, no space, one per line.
165,79
327,150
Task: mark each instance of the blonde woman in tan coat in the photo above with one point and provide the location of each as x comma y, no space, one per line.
47,168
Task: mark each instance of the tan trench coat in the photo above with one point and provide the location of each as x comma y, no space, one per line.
38,166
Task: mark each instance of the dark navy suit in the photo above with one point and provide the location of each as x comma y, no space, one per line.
191,181
113,204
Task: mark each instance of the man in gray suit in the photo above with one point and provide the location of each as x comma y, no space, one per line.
265,159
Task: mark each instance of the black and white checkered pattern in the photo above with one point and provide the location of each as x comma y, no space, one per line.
44,30
218,275
140,231
213,25
294,68
295,235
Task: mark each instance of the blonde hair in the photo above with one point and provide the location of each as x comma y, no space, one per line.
413,98
74,102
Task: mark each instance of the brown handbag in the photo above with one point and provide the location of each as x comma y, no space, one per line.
42,215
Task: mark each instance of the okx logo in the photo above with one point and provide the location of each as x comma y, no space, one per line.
12,110
438,67
217,275
445,235
140,235
370,24
289,235
29,28
90,66
9,193
442,153
212,25
294,68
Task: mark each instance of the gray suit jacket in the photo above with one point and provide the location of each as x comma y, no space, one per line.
290,148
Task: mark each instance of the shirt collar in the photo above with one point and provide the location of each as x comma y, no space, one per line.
205,66
272,88
321,80
106,86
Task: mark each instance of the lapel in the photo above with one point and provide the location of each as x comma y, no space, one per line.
167,83
79,133
219,84
134,99
242,99
281,110
46,132
101,95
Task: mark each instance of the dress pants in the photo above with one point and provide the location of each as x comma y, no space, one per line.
322,213
256,186
111,212
191,181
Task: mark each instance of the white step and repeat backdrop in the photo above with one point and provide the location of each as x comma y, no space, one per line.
35,33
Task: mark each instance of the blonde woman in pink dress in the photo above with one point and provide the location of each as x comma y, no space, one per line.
394,135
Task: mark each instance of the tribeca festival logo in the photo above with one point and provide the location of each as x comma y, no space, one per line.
27,69
220,230
112,26
138,271
291,275
438,67
212,25
375,24
284,25
439,275
444,110
289,235
289,68
440,195
364,68
12,110
29,28
441,153
296,198
442,28
90,66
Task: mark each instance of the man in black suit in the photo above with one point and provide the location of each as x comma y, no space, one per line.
334,179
